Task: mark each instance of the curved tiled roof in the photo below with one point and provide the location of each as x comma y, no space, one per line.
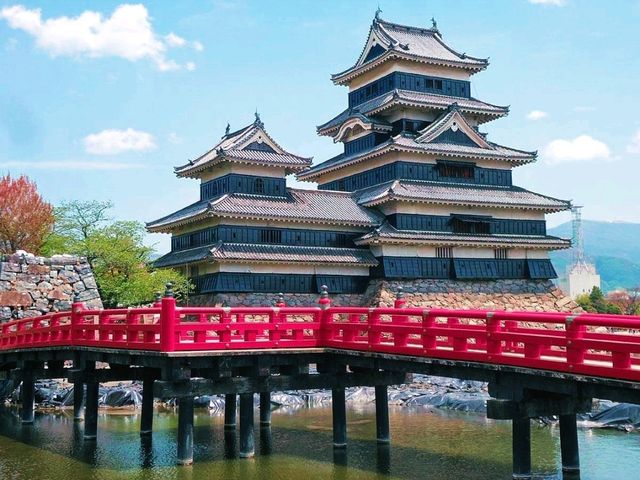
447,194
316,206
306,206
245,252
388,234
424,45
236,147
409,144
182,257
411,98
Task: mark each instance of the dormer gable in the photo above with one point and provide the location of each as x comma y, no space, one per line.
453,128
250,145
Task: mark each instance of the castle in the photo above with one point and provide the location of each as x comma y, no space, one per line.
419,198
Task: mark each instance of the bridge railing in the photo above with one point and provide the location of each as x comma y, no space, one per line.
600,345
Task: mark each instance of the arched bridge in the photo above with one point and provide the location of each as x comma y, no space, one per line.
536,364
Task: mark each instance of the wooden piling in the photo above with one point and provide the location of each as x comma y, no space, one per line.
146,420
521,444
247,441
382,414
185,431
339,411
91,410
230,411
265,409
569,444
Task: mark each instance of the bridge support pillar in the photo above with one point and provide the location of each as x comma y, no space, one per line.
146,420
78,400
27,397
382,414
247,441
91,410
339,410
185,431
230,411
521,442
569,444
265,409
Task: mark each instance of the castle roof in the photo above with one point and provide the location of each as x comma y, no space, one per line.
386,233
253,253
388,40
476,147
408,98
447,194
305,206
250,145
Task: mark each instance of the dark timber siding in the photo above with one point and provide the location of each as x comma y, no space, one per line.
266,235
463,268
444,223
235,183
413,82
419,171
274,283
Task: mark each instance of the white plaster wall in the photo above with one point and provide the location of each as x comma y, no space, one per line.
230,167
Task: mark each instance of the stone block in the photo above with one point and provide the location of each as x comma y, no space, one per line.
68,276
89,281
63,305
79,287
37,269
7,276
15,299
88,295
58,293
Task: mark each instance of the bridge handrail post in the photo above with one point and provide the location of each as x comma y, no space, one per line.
76,321
168,320
493,327
399,339
326,331
574,332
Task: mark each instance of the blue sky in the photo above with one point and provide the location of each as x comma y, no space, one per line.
103,103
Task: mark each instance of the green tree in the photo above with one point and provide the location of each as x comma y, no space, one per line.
116,252
596,302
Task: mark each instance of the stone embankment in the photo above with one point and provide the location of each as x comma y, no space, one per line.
31,286
523,295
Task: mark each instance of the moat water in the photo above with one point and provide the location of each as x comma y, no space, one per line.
426,444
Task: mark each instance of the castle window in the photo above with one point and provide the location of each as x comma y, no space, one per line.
471,225
270,236
501,253
444,252
456,170
259,185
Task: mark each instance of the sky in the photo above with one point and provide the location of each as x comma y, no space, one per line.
100,100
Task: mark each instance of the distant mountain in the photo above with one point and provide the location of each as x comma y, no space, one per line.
614,247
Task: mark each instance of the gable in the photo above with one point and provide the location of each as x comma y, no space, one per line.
374,52
261,146
457,137
453,128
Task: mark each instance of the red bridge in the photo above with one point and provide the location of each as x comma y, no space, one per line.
536,364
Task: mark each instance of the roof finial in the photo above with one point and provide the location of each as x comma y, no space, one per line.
378,12
226,131
434,24
257,116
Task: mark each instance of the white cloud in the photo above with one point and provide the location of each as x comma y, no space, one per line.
174,40
555,3
190,66
112,142
69,165
634,146
537,115
127,34
197,46
579,149
174,138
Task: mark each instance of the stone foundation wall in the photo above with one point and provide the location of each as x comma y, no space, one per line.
269,299
523,295
526,295
31,286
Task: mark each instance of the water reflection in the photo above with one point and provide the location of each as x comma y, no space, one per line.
425,445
